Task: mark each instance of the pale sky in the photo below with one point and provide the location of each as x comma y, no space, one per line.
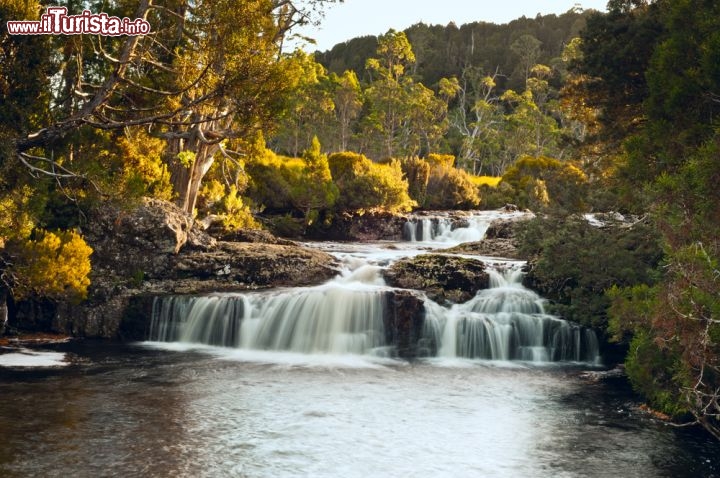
355,18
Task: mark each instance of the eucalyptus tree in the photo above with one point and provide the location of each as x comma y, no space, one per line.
209,72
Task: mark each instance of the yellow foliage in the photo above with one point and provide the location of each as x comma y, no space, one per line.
490,181
441,160
539,181
144,172
54,265
237,215
15,218
211,193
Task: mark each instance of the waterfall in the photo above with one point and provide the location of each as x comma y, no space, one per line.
426,229
329,319
507,322
357,313
439,229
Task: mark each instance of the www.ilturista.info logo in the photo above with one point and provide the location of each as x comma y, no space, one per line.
56,21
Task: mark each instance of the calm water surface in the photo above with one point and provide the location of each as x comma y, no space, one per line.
131,410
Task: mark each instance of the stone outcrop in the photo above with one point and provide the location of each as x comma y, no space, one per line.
236,265
443,278
500,240
153,250
370,226
404,318
505,248
141,241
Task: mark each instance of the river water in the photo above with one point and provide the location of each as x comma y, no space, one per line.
337,406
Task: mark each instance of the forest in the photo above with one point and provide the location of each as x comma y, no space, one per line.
561,114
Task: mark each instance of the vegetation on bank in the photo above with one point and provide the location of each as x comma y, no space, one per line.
574,113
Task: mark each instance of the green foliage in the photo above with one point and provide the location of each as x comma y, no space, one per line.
653,371
577,263
53,265
417,172
442,50
365,185
25,69
449,188
298,184
144,172
186,158
539,182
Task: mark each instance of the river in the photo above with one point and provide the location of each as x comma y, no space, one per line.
255,401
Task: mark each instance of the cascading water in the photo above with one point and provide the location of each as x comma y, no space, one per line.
329,319
440,229
507,322
349,315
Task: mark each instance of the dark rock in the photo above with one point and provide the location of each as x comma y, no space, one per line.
257,236
139,242
404,317
31,315
152,250
4,314
256,265
369,226
501,229
136,318
199,240
443,278
506,248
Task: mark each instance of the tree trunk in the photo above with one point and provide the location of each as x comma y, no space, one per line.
3,310
186,181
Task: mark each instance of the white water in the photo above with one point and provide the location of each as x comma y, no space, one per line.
507,322
439,229
330,319
346,315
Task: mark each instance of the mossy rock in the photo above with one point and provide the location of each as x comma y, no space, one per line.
443,278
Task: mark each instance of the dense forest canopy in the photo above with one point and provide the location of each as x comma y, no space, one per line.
570,113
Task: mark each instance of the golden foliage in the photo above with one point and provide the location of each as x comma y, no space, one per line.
490,181
54,265
16,218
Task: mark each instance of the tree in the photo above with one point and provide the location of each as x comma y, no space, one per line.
308,110
348,99
387,94
313,189
205,74
477,118
527,48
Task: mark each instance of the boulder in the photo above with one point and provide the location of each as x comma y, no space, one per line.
199,240
504,248
404,317
443,278
136,242
258,236
250,265
368,226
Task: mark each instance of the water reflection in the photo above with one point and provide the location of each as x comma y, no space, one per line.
133,411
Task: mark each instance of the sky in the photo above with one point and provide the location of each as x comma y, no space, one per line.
355,18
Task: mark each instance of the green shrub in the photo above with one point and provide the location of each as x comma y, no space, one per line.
539,182
365,185
577,263
450,188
